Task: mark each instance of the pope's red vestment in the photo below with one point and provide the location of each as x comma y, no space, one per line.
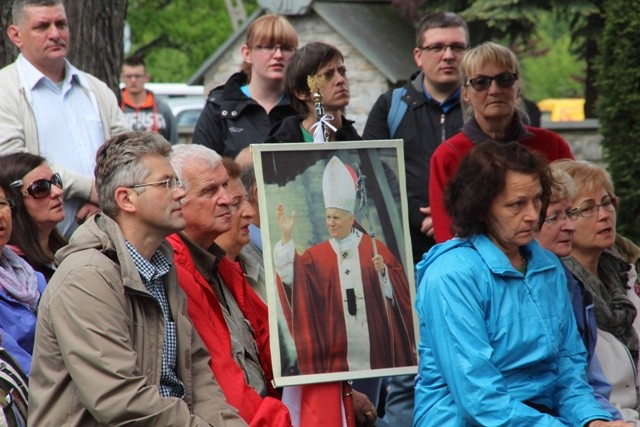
315,315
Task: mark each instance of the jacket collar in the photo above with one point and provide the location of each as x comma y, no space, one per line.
418,96
206,261
517,131
103,234
149,101
538,259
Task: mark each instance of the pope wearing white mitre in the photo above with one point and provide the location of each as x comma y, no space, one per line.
347,305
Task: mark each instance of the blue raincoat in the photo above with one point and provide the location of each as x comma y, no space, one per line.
491,339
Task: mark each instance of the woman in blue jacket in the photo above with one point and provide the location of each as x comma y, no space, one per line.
499,343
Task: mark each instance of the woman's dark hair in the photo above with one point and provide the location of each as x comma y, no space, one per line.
307,61
481,178
25,231
5,185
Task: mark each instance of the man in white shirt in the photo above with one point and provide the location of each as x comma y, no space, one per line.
53,109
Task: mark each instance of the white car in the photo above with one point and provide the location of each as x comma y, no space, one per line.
186,102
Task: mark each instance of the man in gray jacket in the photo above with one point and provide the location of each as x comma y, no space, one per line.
114,344
51,108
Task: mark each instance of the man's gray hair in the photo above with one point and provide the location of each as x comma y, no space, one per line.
182,153
118,164
19,6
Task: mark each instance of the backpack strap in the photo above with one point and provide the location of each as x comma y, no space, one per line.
397,110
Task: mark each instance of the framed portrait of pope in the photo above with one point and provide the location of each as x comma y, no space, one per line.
337,260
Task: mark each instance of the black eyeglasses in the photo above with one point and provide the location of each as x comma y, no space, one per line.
271,49
504,80
169,183
40,188
6,203
591,209
456,48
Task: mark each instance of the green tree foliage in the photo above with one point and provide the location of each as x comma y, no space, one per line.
511,20
548,67
176,36
619,86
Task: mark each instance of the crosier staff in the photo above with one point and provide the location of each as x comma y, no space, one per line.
361,191
319,128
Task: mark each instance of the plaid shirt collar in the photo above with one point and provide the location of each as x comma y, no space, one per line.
150,270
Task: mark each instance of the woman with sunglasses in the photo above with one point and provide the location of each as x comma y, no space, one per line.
20,288
243,110
595,261
493,111
37,193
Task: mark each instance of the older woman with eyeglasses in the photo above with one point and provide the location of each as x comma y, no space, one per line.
252,101
493,111
555,233
37,194
595,263
20,287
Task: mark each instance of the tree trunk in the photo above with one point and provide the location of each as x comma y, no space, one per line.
97,28
97,37
8,51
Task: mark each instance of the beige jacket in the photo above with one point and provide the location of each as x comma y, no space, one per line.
18,130
98,351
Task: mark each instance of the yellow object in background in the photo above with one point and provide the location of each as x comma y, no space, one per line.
562,109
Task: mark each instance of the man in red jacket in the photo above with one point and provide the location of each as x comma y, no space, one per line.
229,316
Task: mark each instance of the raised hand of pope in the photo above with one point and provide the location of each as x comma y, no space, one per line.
285,224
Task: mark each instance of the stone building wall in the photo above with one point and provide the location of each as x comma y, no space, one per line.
366,83
583,137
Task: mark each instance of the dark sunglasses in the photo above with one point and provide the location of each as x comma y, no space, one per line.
504,80
40,188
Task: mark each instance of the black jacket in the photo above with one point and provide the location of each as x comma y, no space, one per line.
423,127
289,130
231,121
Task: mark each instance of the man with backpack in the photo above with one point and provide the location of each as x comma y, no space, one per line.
424,112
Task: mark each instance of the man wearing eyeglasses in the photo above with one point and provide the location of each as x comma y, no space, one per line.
51,108
142,110
432,114
114,343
